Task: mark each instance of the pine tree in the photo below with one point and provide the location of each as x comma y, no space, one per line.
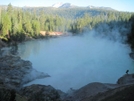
0,19
36,27
6,26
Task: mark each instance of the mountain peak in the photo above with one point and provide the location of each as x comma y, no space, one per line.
57,5
69,5
63,5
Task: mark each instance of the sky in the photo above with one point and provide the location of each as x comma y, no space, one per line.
120,5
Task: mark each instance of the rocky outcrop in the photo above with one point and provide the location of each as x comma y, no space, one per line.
2,44
122,93
131,55
14,72
126,79
40,93
5,51
98,91
30,93
90,90
8,94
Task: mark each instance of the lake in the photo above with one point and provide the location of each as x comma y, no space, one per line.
74,61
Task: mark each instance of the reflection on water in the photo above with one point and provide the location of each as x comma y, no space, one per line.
75,61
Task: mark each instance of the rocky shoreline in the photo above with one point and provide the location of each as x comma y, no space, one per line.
100,91
15,72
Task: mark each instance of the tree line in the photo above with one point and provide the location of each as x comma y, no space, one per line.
131,34
17,23
90,22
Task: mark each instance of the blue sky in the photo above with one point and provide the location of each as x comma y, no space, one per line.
121,5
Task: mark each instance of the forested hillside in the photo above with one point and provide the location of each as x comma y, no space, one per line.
68,13
18,23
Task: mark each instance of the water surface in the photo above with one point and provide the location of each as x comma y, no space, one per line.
74,61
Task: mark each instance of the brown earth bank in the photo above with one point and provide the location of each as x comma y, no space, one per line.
15,72
42,34
45,33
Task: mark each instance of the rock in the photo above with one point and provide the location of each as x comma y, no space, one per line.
5,51
121,93
40,93
90,90
15,72
124,93
2,44
62,94
7,94
131,55
97,91
71,91
126,79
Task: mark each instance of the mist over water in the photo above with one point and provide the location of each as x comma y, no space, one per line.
74,61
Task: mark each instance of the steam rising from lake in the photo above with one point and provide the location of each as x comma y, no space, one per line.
74,61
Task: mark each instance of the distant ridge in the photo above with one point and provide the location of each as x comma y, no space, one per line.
69,5
105,8
66,5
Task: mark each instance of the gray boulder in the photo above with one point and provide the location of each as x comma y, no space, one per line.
126,79
131,55
15,72
7,94
40,93
90,90
2,44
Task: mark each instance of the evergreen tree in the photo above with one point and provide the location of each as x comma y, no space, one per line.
0,19
131,35
10,9
42,20
36,27
6,26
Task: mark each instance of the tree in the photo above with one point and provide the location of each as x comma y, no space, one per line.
10,9
131,35
0,19
6,26
42,20
36,27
